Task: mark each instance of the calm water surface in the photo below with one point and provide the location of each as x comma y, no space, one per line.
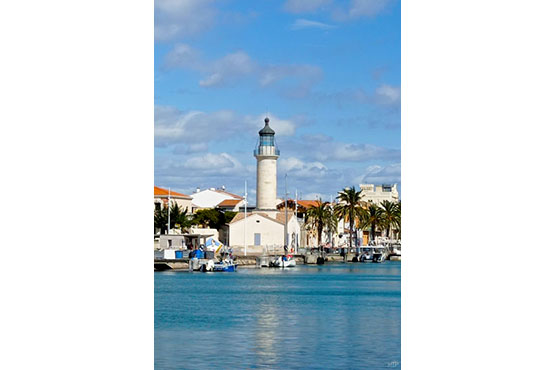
343,316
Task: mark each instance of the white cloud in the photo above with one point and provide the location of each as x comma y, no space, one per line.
387,95
358,152
305,6
176,18
382,174
172,126
182,56
339,12
211,163
360,8
228,69
294,79
300,24
293,164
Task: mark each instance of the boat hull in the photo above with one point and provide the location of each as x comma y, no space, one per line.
225,268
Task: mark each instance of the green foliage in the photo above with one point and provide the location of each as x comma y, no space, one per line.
228,216
391,216
350,209
373,219
321,216
178,218
213,218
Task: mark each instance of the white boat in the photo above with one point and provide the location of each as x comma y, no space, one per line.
283,261
378,253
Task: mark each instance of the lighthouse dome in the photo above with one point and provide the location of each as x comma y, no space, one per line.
266,130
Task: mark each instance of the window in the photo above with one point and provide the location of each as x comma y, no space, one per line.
157,206
257,239
266,140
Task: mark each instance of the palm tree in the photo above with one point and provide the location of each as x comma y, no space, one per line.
178,217
320,216
350,209
391,216
373,219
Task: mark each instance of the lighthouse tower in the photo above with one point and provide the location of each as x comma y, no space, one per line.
266,155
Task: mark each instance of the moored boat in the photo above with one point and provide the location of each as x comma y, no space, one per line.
283,261
378,253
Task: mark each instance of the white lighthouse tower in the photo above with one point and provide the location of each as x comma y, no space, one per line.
266,155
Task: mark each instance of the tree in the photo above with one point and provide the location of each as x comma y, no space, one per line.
391,216
178,218
213,218
320,216
208,218
350,209
373,219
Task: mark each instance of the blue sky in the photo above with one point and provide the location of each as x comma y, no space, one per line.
326,72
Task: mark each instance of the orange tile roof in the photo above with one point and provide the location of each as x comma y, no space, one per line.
229,202
162,191
302,203
308,203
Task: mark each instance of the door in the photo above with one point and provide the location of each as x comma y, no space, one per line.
257,239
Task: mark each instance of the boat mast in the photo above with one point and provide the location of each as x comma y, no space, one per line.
245,224
286,206
297,221
169,204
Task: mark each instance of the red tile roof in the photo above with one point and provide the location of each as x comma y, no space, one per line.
229,202
162,191
308,203
301,203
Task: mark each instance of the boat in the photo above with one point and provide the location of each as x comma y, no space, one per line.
225,266
283,261
378,253
365,257
224,261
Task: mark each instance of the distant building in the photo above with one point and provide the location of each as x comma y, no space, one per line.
212,198
378,193
162,195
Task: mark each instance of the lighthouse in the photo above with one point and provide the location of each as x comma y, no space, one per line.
266,155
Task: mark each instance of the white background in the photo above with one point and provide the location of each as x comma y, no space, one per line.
77,174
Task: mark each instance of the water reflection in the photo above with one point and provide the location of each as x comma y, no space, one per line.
345,316
266,333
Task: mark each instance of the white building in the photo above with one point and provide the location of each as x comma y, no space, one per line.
379,193
212,198
263,231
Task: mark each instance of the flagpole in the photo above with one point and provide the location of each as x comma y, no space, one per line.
169,203
245,224
286,206
297,220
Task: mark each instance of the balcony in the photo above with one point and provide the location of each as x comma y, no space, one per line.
266,150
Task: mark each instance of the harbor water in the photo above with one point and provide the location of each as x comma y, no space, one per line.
341,316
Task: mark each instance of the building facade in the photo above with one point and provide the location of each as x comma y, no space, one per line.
378,193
